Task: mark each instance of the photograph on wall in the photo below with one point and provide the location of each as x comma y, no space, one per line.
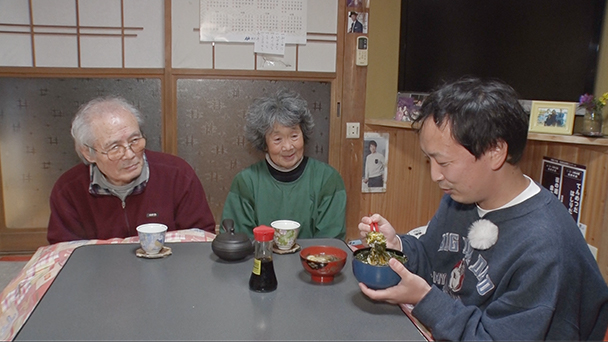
408,106
375,159
357,3
566,181
357,22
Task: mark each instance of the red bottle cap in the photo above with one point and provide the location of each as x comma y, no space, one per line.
263,233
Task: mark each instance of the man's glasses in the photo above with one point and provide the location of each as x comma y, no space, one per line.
118,151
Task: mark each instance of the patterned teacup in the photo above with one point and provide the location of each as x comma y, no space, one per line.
152,237
285,233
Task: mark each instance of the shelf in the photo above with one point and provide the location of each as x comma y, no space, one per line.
564,139
568,139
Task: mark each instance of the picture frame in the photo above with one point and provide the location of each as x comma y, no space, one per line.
361,22
408,105
552,117
375,161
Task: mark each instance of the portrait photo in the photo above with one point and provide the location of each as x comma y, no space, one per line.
375,158
357,22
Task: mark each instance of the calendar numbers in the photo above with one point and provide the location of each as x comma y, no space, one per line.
282,21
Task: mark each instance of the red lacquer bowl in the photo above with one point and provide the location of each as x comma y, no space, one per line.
326,262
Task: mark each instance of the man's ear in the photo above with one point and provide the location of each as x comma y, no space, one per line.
86,153
499,154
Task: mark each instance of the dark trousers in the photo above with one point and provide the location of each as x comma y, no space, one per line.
375,182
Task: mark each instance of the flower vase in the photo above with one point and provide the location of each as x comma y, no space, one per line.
592,123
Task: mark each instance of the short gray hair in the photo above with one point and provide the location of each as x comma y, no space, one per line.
93,110
286,108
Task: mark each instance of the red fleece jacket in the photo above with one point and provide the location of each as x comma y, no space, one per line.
173,196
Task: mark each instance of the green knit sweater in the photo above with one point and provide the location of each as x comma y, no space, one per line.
317,200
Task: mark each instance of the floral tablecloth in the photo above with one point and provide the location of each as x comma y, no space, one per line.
20,297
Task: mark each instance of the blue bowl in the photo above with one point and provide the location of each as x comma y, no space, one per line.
375,277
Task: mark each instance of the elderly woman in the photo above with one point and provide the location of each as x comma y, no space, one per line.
287,184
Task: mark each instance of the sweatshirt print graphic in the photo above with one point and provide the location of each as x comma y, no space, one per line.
452,283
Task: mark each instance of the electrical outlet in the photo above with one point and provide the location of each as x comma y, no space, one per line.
352,130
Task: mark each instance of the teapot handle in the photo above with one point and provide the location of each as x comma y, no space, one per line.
228,225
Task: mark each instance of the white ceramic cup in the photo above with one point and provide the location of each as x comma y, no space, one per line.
285,233
152,237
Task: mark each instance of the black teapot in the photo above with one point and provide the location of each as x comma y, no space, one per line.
231,246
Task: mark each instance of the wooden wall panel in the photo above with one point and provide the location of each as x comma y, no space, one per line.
351,151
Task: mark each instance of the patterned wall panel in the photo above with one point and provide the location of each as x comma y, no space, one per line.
211,118
35,142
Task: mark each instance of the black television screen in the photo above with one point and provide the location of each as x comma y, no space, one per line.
545,49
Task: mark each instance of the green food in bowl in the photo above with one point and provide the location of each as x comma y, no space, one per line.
364,256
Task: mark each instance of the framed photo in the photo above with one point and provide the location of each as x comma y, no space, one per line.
552,117
357,22
408,105
375,159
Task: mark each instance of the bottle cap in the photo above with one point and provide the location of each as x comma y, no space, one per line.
263,233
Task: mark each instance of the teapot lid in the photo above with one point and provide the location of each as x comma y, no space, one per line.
230,236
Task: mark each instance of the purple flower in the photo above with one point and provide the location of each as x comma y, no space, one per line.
586,101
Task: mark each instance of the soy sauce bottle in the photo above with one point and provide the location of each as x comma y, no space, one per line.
262,277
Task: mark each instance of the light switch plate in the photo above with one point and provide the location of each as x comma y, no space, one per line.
352,130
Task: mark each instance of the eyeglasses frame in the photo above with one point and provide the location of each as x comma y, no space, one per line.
125,148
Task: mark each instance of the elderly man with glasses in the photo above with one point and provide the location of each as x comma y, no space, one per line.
121,185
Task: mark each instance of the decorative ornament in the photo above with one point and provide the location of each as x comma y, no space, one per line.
483,234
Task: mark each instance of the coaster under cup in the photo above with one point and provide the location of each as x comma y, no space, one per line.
293,249
165,251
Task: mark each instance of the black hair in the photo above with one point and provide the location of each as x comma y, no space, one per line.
481,113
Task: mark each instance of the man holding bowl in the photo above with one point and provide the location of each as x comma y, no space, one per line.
502,259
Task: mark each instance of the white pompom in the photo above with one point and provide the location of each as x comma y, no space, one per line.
483,234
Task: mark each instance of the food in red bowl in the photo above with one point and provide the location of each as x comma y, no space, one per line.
323,262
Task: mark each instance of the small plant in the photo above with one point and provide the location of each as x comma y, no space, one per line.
591,103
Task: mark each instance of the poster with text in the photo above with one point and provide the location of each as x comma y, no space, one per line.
566,181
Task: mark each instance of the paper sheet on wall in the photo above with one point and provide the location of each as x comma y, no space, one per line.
241,21
270,43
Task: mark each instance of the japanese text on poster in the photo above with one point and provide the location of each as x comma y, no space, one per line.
566,181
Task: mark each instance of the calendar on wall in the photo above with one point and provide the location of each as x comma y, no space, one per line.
274,22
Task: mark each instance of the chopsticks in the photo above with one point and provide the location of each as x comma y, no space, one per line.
374,225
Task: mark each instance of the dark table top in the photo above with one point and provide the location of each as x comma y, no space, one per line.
105,292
